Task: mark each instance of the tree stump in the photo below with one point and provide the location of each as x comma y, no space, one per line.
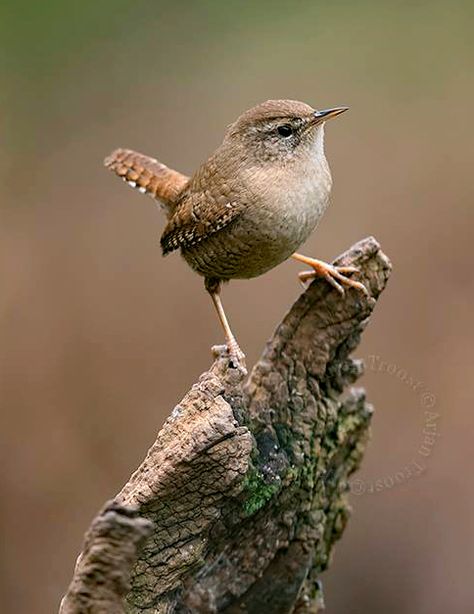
239,501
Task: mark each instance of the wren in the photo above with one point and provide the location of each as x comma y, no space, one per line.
251,205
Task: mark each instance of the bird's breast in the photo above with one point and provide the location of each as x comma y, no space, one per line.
280,213
290,204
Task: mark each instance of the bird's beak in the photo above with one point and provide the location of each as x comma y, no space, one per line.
322,116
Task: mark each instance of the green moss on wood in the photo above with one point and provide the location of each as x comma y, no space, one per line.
257,491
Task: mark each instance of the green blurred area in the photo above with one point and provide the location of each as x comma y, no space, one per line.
94,322
56,55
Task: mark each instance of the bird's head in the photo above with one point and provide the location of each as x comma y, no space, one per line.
280,131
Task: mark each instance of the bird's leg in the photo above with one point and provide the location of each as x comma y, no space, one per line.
213,286
335,275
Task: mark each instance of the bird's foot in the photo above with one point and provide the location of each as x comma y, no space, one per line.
335,275
231,352
236,356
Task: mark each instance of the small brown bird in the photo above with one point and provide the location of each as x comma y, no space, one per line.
252,204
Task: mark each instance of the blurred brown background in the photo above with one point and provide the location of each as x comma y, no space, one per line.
100,336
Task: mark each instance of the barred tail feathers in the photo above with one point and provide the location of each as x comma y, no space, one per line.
147,175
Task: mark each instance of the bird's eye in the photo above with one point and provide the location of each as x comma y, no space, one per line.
285,130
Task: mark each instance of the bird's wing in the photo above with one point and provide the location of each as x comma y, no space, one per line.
198,216
147,175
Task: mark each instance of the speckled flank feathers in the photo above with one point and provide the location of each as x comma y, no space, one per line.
185,229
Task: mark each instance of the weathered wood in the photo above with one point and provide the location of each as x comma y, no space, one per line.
246,484
102,576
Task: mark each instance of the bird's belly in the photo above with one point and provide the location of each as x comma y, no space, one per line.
255,242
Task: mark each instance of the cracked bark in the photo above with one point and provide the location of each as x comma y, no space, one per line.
246,485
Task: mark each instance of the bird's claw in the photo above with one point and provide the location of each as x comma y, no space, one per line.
334,275
231,352
236,356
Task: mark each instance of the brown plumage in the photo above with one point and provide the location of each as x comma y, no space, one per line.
252,204
147,175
